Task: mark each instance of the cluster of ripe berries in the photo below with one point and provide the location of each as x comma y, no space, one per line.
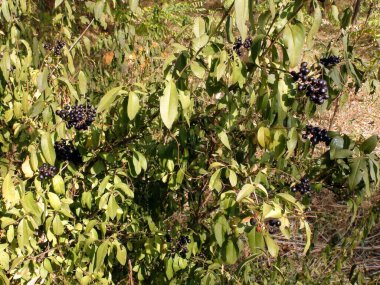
316,135
181,248
303,187
57,49
239,44
47,171
80,117
66,151
330,61
273,225
316,89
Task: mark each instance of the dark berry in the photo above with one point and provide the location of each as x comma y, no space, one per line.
168,238
252,221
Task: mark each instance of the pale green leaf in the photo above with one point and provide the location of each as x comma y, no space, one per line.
47,148
58,184
82,83
224,138
54,201
57,226
316,25
109,98
101,255
169,104
294,38
242,17
10,194
271,245
245,191
133,105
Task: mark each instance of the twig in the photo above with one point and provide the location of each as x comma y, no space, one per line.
81,35
130,275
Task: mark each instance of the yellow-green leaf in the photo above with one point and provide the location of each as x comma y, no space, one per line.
169,104
133,105
263,136
10,194
54,201
271,245
58,184
47,148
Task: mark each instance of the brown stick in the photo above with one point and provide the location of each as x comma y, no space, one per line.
130,274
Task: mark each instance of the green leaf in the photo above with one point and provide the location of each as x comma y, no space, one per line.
82,83
169,268
294,38
292,141
109,98
101,255
57,226
10,194
42,79
219,233
224,138
287,197
4,260
112,207
47,148
199,43
271,245
245,191
316,24
215,182
58,184
199,27
369,144
57,3
72,90
29,204
308,237
133,105
356,174
242,17
232,177
23,233
169,104
231,252
133,4
54,201
263,136
255,241
197,69
5,11
121,254
125,188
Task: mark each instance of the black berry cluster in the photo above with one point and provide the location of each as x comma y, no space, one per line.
316,89
181,248
239,44
65,150
273,225
330,61
57,49
47,171
303,187
316,135
80,117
